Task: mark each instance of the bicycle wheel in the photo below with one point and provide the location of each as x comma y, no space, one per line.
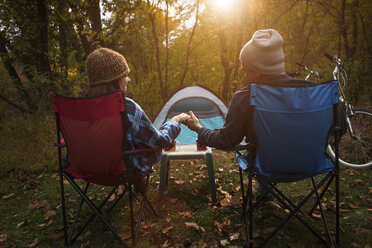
356,152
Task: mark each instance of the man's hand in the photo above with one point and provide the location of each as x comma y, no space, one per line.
193,122
181,118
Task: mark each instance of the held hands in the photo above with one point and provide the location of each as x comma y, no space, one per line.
181,118
193,122
190,120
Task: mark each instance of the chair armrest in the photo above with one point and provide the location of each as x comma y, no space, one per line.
239,147
61,143
140,150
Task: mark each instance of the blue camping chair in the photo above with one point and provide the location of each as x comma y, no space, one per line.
291,124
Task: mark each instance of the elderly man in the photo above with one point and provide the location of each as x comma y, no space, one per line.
262,60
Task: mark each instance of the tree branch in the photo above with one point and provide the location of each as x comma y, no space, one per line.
282,14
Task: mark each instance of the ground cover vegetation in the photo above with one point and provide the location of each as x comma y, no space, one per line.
168,44
30,213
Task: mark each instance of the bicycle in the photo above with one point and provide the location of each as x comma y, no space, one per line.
312,74
355,146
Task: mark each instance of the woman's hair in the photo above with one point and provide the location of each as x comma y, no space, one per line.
102,89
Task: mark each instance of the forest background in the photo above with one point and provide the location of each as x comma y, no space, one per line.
168,44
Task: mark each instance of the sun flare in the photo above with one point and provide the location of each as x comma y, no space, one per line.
223,4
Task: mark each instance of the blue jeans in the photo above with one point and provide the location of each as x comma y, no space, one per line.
65,162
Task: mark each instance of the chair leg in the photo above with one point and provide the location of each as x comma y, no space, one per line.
250,210
77,214
337,208
131,212
323,214
163,175
322,193
212,183
118,199
244,205
95,209
294,211
63,208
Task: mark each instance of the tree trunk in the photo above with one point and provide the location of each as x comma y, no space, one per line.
239,42
157,49
343,29
355,27
94,14
87,46
188,51
225,65
166,47
63,48
43,65
15,79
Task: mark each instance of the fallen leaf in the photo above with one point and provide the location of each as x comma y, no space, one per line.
353,206
3,237
355,244
224,242
173,200
37,204
44,225
234,236
194,225
225,202
120,190
219,226
165,245
185,214
19,225
49,213
56,235
54,175
7,196
33,244
180,181
165,230
296,245
112,197
269,230
314,215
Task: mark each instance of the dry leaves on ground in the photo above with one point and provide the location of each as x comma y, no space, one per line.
195,226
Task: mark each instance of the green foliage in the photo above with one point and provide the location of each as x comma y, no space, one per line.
27,143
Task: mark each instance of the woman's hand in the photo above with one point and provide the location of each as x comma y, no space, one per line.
193,123
181,118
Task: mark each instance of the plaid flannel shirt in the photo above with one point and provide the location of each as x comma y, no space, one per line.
142,134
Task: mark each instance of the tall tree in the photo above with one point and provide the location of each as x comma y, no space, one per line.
189,48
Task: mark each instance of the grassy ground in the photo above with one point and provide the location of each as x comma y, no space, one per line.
30,211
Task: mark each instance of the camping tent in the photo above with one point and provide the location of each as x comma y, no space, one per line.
205,104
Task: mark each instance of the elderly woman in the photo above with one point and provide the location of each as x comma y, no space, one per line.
107,72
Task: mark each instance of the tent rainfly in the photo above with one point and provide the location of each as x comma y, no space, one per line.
205,104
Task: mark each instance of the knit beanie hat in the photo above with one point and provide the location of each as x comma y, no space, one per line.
104,65
263,53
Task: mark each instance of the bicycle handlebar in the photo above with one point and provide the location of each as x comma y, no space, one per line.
334,59
330,57
302,65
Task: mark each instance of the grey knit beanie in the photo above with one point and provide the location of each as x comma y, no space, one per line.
264,53
104,65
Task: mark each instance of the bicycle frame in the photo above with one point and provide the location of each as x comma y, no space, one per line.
346,106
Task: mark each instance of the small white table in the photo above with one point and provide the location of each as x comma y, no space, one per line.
188,151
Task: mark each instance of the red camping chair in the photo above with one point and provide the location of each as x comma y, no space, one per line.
94,132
